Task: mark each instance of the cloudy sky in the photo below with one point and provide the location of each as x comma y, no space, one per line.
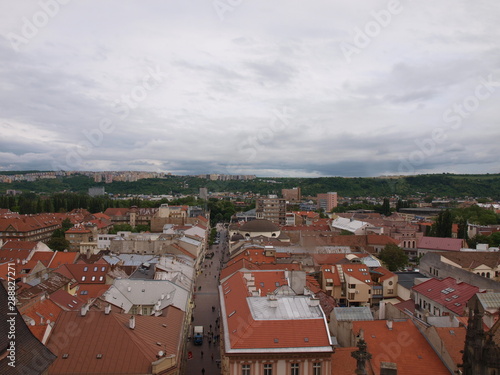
272,88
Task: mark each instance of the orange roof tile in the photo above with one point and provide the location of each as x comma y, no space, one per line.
62,257
360,272
453,340
244,332
42,313
403,345
124,351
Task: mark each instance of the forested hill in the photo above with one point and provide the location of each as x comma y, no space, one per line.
439,185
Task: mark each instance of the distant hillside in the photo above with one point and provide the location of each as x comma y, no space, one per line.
439,185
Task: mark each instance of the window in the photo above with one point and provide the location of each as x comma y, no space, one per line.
245,369
317,368
83,278
268,369
352,286
294,369
95,269
85,269
103,269
93,278
390,291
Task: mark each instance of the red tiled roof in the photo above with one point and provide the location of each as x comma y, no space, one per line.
66,301
78,229
90,291
268,281
100,215
254,255
110,212
312,284
441,244
331,272
403,345
456,296
408,305
328,258
124,351
386,274
19,245
343,363
42,313
453,340
43,256
27,223
360,272
85,273
247,333
62,257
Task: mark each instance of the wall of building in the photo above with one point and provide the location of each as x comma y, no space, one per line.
446,270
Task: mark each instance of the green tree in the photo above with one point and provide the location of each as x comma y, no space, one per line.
442,227
394,257
386,207
58,243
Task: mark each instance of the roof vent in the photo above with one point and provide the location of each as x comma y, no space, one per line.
84,310
129,289
131,322
99,356
107,309
273,301
65,356
276,340
389,325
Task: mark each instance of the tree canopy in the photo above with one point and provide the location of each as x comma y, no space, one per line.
394,257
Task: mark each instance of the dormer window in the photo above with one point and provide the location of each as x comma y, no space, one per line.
85,269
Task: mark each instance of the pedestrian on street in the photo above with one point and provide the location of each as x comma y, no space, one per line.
202,354
212,357
203,370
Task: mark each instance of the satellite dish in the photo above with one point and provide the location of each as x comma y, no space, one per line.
161,353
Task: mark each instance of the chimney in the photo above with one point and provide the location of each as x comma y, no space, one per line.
273,301
388,368
84,310
107,309
389,324
131,322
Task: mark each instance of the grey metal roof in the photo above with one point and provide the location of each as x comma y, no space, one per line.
126,293
352,313
130,259
407,279
489,300
288,308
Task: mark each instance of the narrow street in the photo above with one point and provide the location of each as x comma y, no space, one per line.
206,312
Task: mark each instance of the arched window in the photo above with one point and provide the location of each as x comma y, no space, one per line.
488,275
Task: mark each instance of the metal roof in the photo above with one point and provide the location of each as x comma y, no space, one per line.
352,313
489,300
288,308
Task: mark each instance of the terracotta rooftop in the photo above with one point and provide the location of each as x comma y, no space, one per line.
122,350
440,244
473,259
41,313
360,272
85,273
243,331
343,363
61,257
453,340
259,225
403,344
66,301
447,292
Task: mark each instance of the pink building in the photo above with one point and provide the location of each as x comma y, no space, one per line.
327,201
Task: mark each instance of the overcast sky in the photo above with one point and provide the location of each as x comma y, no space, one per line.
272,88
